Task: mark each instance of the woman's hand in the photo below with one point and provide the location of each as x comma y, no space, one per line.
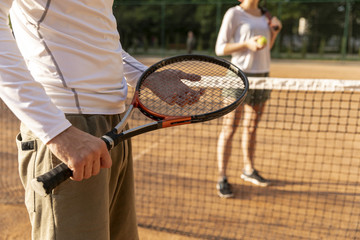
275,25
253,44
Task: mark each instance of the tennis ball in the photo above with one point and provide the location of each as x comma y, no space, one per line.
262,41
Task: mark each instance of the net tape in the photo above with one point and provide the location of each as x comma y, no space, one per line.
327,85
296,84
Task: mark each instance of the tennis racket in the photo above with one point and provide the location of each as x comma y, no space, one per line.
266,12
175,91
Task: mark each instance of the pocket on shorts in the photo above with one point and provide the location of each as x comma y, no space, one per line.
26,159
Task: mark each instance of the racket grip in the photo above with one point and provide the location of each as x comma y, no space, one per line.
45,183
111,139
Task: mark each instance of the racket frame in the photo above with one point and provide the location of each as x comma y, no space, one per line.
45,183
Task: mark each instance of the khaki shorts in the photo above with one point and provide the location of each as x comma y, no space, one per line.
101,207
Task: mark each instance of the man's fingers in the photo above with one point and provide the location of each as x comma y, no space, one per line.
88,170
189,76
196,96
183,99
170,99
77,173
105,160
90,165
189,97
170,88
96,167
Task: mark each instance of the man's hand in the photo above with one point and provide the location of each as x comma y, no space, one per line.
167,85
83,153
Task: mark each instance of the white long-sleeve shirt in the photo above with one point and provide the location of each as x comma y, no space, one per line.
67,58
239,26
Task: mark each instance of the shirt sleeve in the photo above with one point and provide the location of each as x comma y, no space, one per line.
133,69
21,93
225,33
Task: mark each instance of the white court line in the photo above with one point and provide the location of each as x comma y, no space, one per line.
154,145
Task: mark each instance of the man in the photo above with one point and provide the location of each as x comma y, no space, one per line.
66,79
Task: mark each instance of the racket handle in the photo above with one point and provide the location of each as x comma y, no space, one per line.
111,139
45,183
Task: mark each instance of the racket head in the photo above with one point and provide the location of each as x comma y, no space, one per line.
222,87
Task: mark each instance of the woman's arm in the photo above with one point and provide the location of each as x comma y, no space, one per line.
251,44
275,27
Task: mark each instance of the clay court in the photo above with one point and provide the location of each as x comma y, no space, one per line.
293,208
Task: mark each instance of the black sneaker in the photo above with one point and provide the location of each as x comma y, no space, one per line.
224,189
255,178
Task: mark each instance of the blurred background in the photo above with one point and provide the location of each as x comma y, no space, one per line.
312,29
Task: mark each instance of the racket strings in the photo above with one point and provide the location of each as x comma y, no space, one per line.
213,87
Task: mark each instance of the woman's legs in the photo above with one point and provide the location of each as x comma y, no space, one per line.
251,118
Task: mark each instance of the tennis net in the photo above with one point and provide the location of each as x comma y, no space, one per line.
307,145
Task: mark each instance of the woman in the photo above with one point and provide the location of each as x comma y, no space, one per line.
240,36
